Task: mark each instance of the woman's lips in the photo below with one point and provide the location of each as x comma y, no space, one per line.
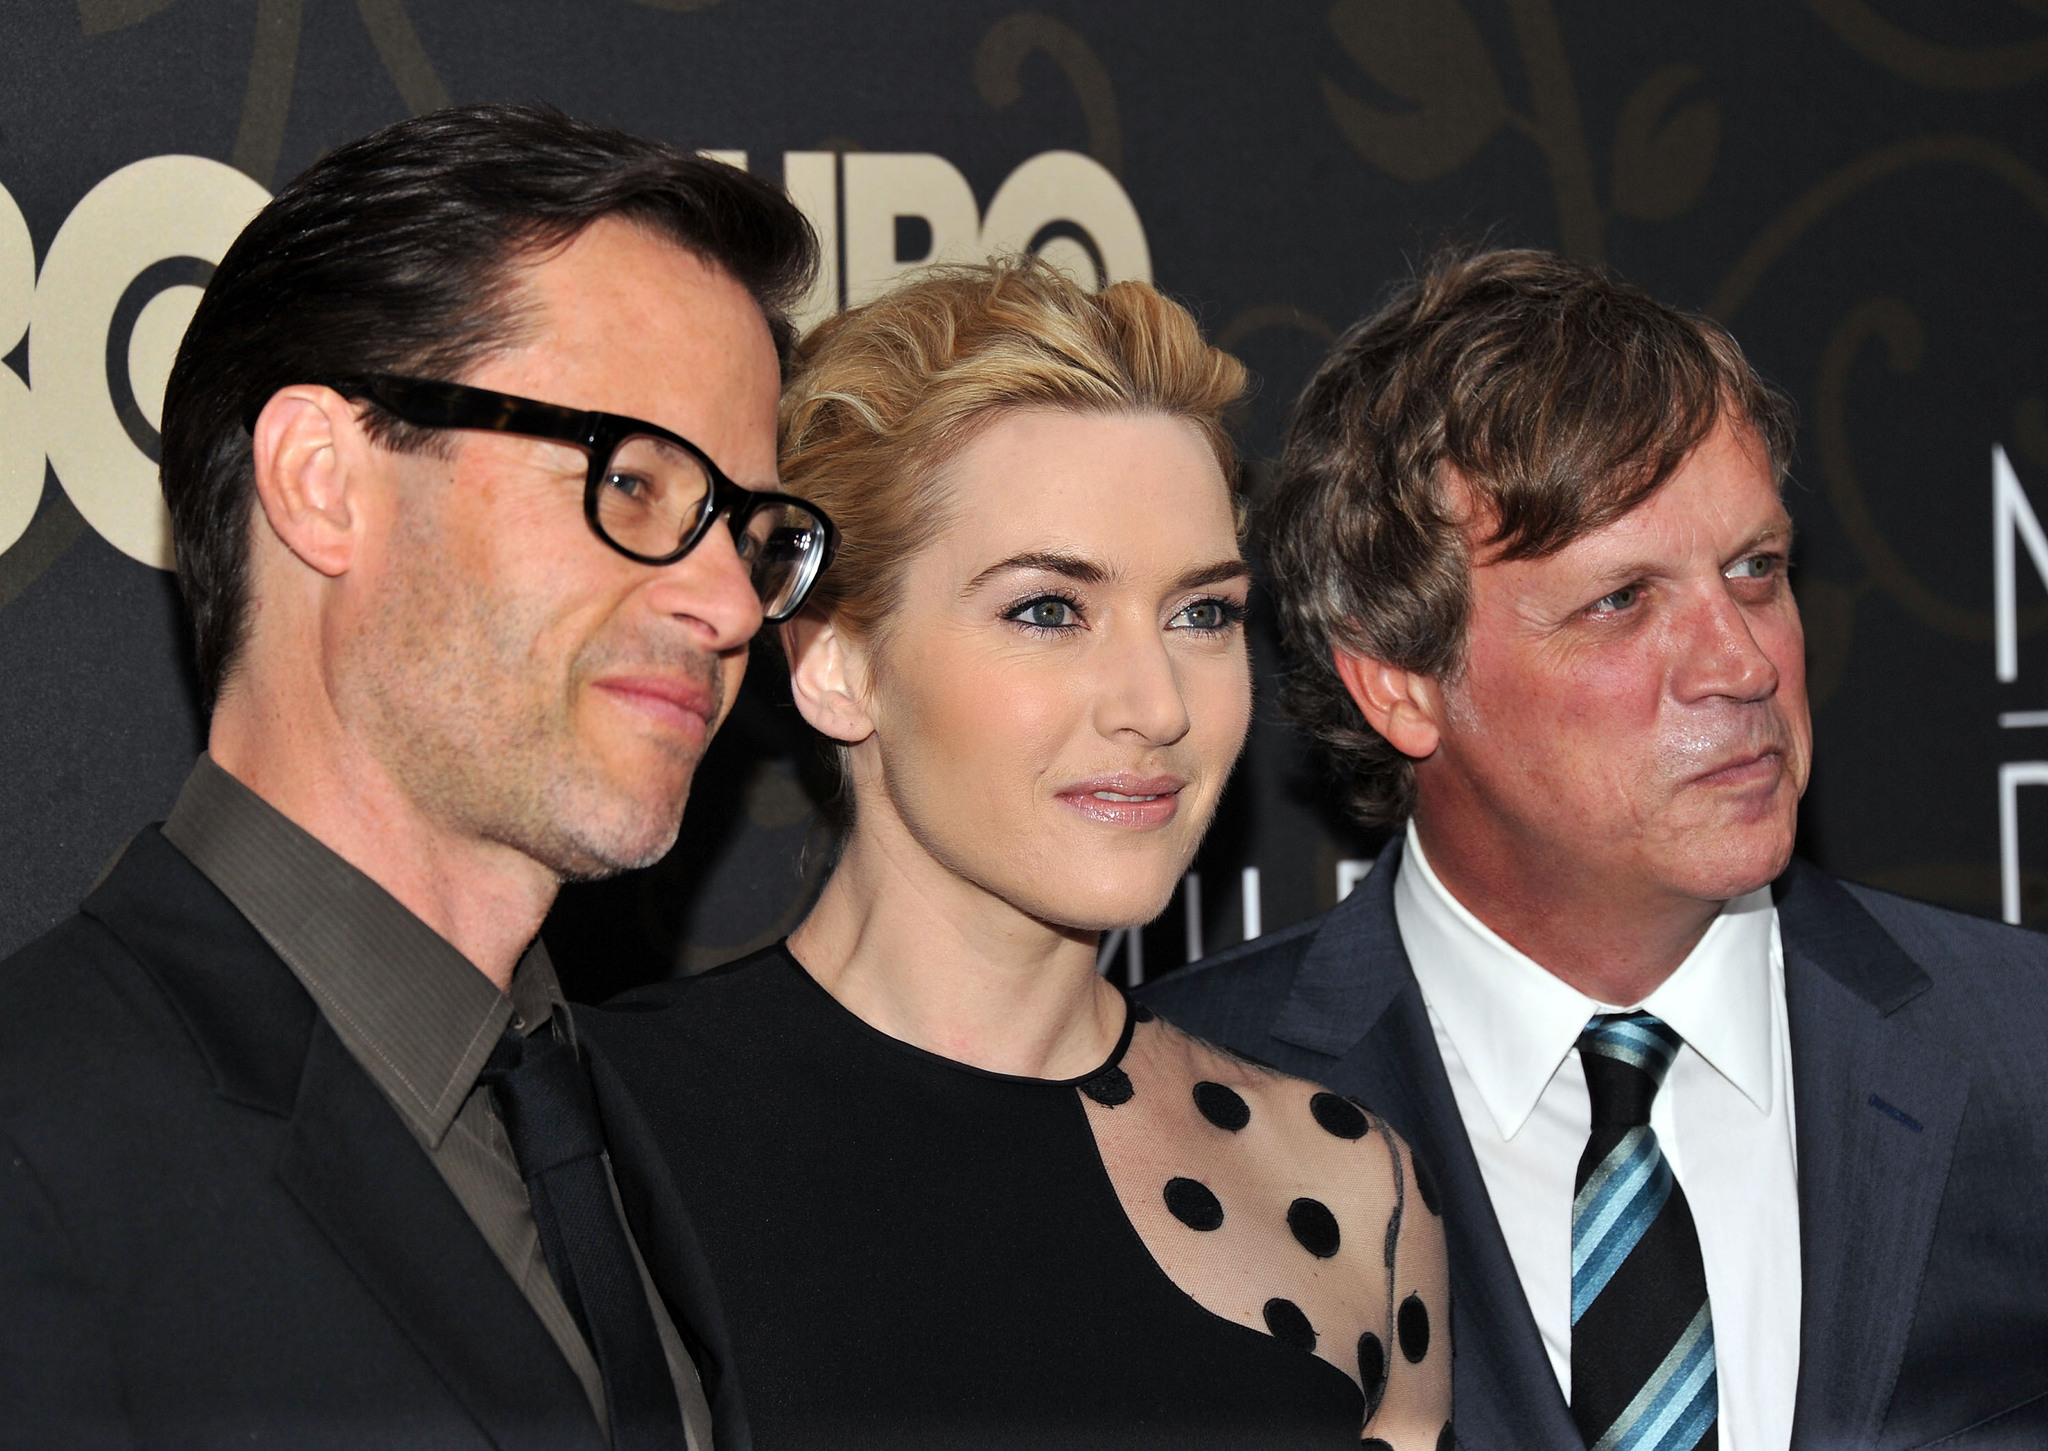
1143,802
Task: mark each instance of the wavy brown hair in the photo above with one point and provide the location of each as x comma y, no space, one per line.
1558,396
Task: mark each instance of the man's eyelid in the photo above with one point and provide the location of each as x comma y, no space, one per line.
1779,560
1638,584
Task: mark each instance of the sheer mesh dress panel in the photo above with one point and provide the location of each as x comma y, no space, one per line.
1178,1249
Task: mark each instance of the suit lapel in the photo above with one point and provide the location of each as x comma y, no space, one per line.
1355,999
1878,1110
668,1244
244,1012
358,1173
347,1158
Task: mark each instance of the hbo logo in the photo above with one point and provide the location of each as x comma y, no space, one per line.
123,274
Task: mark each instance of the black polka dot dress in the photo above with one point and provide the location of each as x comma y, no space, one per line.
1179,1249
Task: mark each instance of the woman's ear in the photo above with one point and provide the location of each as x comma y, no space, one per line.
828,676
309,452
1404,707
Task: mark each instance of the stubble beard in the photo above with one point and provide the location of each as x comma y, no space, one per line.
478,727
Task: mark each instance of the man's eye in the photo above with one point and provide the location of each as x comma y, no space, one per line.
1049,612
630,486
1622,599
1757,566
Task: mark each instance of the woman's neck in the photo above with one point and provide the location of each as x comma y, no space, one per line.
933,960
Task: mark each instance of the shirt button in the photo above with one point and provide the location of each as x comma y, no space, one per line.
518,1023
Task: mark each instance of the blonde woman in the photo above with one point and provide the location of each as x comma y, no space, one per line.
955,1188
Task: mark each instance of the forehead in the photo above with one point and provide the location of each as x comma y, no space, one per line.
623,320
1136,490
1723,495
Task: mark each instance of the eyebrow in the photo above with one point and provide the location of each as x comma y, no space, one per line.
1770,534
1215,573
1072,566
1086,571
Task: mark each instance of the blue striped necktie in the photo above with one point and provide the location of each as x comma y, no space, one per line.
1642,1330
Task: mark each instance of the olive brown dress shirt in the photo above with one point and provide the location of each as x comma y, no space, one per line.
421,1019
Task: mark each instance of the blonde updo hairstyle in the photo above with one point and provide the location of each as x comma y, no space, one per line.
885,395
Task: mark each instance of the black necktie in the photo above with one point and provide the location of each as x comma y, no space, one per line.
544,1095
1643,1371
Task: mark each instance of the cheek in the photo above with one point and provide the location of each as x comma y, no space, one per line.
1218,695
991,727
1782,636
1783,639
1561,720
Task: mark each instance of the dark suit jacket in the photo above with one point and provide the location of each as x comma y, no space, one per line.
215,1230
1920,1095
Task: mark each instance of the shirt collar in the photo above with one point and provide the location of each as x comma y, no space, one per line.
418,1016
1513,1022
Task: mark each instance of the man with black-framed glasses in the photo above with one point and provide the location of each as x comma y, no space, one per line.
470,456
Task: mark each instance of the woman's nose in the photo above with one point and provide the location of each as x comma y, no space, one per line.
1138,691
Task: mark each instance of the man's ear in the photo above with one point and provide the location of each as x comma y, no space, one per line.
310,455
1401,705
828,677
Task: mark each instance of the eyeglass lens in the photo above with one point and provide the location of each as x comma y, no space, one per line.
653,494
783,545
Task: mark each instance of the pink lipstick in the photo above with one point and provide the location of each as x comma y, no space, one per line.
1142,802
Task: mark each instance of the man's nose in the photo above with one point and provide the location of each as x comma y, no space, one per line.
1722,656
1138,690
711,591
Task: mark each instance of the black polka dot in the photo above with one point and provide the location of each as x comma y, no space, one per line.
1110,1087
1141,1013
1372,1371
1425,1185
1339,1116
1412,1325
1446,1439
1315,1228
1285,1320
1221,1106
1190,1201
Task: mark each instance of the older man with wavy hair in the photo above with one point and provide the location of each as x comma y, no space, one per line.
1731,1154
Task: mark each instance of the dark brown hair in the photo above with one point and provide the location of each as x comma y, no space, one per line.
1558,396
393,254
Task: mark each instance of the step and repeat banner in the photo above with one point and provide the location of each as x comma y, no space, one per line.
1858,188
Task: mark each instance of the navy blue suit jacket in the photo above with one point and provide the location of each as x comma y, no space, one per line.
216,1231
1920,1093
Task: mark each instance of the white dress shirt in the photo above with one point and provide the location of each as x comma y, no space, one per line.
1508,1030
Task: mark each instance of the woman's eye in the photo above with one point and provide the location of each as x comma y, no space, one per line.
1049,613
1208,616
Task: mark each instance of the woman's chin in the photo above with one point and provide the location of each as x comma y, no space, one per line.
1099,906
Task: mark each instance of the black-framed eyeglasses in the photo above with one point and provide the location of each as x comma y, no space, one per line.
650,494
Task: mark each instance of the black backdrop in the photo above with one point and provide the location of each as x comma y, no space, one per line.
1855,186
